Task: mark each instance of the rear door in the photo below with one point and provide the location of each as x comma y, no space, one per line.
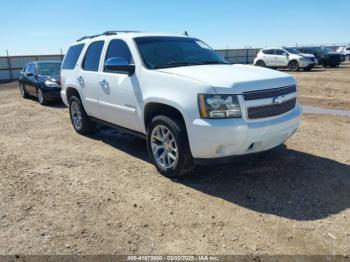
30,80
269,56
23,76
88,78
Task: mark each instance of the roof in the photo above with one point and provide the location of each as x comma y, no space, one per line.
128,34
42,62
274,47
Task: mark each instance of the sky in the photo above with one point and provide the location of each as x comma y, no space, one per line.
46,27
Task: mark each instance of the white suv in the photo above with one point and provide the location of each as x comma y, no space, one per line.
285,58
345,51
175,91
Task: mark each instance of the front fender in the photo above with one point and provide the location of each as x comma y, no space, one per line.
168,102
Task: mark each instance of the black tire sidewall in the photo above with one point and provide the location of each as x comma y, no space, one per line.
261,63
178,130
24,94
293,69
43,102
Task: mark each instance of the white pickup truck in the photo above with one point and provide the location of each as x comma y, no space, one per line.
189,104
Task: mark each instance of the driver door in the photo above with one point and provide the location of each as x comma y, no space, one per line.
119,92
281,58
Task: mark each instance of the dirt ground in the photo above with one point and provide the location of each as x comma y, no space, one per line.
325,87
63,193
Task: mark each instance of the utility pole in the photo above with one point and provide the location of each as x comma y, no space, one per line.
9,64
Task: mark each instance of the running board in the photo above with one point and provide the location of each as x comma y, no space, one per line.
119,128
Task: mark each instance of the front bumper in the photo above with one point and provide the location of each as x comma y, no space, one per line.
64,97
307,64
217,138
52,93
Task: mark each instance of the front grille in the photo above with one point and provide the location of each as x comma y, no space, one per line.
269,93
270,110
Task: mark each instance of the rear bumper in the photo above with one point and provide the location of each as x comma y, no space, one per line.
219,138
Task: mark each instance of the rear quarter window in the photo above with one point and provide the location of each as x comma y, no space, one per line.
268,51
72,56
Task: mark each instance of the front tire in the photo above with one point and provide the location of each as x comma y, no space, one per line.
41,98
168,146
80,120
293,66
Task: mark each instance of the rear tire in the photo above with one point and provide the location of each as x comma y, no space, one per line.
260,63
168,146
80,120
293,66
23,91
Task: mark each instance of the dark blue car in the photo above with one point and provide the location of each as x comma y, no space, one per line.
41,79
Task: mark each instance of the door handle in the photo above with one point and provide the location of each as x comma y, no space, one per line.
80,80
104,83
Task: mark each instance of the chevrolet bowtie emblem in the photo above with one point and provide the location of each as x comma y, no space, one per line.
277,99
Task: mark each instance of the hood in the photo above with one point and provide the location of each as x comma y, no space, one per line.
308,55
334,53
53,78
236,78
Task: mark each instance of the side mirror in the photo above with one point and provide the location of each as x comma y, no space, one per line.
119,65
29,74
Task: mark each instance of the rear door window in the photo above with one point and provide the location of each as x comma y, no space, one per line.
268,51
71,58
92,56
25,69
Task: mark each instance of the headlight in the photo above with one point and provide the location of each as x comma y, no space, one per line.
219,106
49,83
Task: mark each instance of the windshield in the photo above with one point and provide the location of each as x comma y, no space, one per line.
293,51
163,52
326,50
49,68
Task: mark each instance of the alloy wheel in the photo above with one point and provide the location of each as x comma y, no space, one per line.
164,147
76,115
40,96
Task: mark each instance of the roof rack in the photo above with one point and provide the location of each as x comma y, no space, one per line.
106,33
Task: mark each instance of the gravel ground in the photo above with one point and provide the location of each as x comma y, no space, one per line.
62,193
325,87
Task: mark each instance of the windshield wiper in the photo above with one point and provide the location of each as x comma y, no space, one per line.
174,64
212,62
